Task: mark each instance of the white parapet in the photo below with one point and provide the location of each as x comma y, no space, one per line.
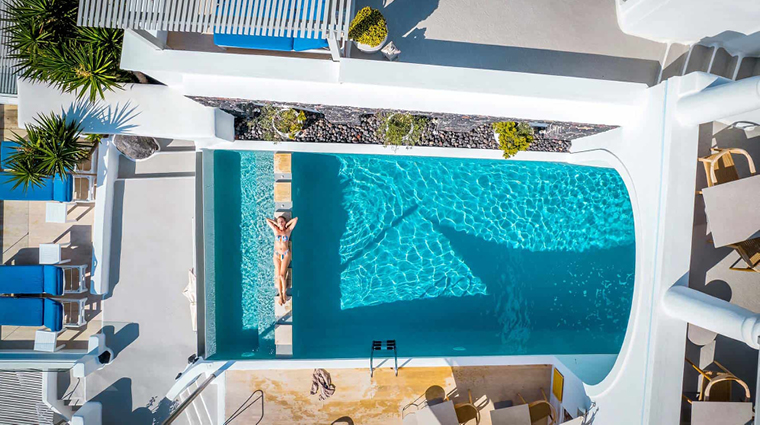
713,314
141,109
720,101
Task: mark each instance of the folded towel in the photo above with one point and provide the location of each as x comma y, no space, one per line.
320,380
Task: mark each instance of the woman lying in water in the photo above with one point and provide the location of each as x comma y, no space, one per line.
282,255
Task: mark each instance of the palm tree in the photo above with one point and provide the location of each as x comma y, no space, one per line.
52,148
44,39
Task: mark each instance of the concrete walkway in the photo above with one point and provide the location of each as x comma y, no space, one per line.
146,317
579,38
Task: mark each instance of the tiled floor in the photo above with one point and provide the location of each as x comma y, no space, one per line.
23,228
359,399
76,237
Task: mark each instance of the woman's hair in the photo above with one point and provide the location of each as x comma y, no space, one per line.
281,217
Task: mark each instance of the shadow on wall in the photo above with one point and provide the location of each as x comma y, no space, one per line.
403,18
117,406
101,118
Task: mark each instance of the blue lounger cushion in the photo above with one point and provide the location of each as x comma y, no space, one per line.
31,312
277,43
52,189
301,44
263,42
33,279
6,150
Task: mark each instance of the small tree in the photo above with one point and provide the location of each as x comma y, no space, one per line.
513,137
52,148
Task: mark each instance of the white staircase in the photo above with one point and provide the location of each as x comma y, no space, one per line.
713,59
202,410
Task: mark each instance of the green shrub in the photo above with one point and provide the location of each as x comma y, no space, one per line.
289,122
45,40
368,27
513,137
52,148
395,129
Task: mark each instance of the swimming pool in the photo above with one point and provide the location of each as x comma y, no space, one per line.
449,257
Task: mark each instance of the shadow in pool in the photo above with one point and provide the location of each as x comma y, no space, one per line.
233,339
536,302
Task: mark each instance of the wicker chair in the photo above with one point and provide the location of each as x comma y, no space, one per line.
717,386
540,409
720,166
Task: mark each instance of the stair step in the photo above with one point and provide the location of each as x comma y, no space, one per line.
673,64
749,68
699,59
723,64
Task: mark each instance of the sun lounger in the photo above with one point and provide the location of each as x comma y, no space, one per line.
42,279
32,312
283,41
52,189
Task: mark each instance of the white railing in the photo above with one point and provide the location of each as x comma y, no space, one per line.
283,18
7,64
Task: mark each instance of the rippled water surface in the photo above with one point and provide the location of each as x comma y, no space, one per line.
447,256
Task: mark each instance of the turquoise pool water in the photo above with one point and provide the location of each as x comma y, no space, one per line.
449,257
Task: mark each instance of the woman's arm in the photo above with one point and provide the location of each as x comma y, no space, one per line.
272,224
292,223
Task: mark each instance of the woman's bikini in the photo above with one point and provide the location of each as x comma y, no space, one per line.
284,239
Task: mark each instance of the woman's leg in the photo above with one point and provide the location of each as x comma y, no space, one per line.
278,279
283,275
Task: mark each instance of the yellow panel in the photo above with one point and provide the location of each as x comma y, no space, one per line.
282,192
558,385
282,163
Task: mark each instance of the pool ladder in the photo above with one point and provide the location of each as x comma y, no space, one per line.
380,346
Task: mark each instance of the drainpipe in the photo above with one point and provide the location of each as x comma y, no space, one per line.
725,100
713,314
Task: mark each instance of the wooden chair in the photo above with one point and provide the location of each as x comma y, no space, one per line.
749,251
717,386
540,409
720,167
467,411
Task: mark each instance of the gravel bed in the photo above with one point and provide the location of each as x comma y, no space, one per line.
318,129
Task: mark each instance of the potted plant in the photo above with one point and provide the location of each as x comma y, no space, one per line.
399,129
368,30
288,123
512,136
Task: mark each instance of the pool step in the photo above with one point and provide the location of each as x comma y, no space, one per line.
282,168
283,205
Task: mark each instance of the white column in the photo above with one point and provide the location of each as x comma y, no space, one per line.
721,101
713,314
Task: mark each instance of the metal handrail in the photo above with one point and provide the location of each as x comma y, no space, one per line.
243,407
377,346
181,408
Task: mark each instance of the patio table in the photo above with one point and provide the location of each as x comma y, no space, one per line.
732,210
441,413
515,415
717,412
